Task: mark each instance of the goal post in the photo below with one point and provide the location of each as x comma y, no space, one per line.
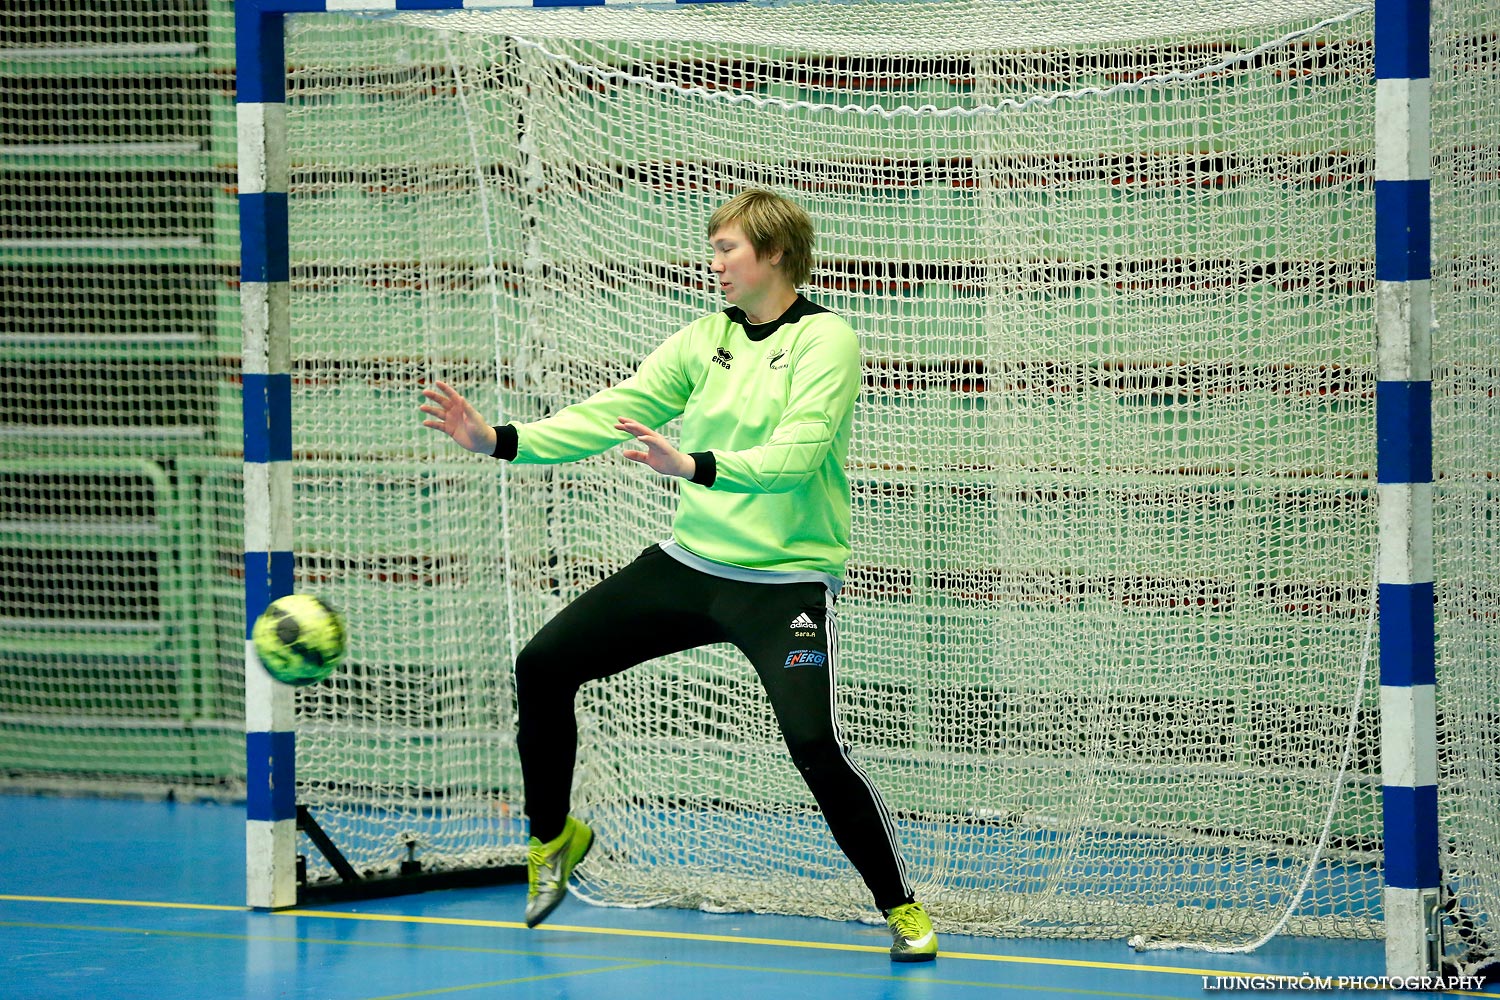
1108,618
270,741
1403,320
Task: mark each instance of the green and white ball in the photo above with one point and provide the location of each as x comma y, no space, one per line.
299,639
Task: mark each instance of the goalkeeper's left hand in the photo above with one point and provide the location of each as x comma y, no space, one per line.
659,453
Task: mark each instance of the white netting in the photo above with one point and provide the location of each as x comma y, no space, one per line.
1466,456
115,287
1112,467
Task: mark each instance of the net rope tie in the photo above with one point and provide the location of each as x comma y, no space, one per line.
1141,942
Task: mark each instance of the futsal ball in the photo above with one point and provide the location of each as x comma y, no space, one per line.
299,639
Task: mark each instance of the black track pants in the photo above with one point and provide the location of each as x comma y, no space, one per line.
655,606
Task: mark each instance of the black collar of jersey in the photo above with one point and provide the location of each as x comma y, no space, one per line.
799,309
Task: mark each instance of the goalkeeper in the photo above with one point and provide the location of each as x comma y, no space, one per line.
760,538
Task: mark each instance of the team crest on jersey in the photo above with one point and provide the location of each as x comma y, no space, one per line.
722,358
776,359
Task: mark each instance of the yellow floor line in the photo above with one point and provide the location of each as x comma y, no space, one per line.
623,932
146,904
627,932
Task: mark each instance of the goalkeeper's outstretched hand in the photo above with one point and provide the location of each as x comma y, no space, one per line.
456,417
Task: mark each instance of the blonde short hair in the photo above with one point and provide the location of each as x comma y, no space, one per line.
771,223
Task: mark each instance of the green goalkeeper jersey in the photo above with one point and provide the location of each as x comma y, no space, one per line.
766,414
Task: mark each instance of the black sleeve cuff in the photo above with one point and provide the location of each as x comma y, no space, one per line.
705,468
507,442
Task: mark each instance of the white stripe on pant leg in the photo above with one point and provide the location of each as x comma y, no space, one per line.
887,822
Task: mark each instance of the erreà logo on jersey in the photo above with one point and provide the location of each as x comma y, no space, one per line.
722,358
806,658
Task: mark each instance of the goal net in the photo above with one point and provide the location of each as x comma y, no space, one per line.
1466,460
1106,627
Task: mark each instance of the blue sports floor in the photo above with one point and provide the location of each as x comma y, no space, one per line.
119,900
